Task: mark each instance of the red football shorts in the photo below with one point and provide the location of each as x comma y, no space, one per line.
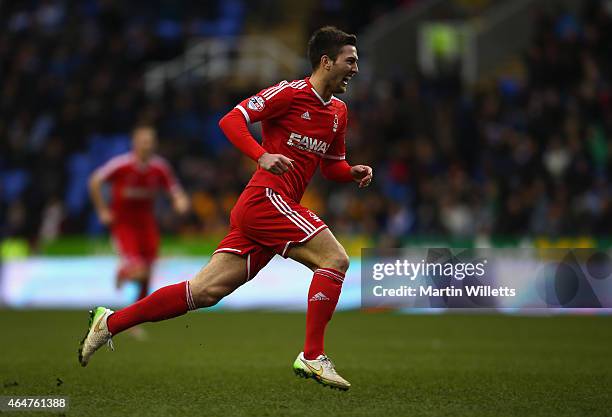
264,223
137,245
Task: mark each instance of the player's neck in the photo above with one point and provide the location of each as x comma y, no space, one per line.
321,86
143,159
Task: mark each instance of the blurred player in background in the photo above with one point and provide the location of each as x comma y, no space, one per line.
135,178
304,127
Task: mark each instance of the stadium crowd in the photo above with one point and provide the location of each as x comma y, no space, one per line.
512,157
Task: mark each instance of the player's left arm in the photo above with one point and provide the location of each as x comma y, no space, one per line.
334,166
341,171
180,200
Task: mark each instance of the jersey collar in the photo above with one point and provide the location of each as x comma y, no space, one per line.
325,103
141,165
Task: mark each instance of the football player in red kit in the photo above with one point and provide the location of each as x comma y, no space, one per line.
304,127
135,178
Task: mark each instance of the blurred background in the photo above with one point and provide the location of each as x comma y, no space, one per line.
488,124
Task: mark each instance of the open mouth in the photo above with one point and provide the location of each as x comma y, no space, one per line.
346,80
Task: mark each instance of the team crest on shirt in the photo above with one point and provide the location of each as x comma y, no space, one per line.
256,103
335,128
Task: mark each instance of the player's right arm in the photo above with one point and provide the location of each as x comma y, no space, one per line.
95,192
106,172
267,104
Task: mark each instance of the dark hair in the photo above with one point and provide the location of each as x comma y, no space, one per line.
143,124
328,41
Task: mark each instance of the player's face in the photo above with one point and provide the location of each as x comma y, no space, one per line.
144,142
343,69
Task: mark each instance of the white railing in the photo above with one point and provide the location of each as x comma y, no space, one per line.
261,58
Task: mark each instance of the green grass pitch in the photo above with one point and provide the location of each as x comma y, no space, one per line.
239,364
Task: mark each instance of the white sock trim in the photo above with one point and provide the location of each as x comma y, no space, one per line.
190,303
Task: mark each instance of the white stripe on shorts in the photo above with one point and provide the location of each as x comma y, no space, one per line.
299,221
288,209
301,240
227,250
293,213
248,267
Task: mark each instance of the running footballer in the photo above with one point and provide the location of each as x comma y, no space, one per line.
304,127
135,178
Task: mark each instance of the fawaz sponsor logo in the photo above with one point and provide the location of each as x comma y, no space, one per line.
138,193
308,144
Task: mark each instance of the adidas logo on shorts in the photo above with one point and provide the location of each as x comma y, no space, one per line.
319,297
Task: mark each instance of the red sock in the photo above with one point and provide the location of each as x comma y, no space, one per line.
322,299
165,303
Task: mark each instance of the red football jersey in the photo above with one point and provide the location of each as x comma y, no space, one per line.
299,124
135,185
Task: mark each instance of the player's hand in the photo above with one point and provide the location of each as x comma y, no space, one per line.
362,174
181,204
275,163
105,216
